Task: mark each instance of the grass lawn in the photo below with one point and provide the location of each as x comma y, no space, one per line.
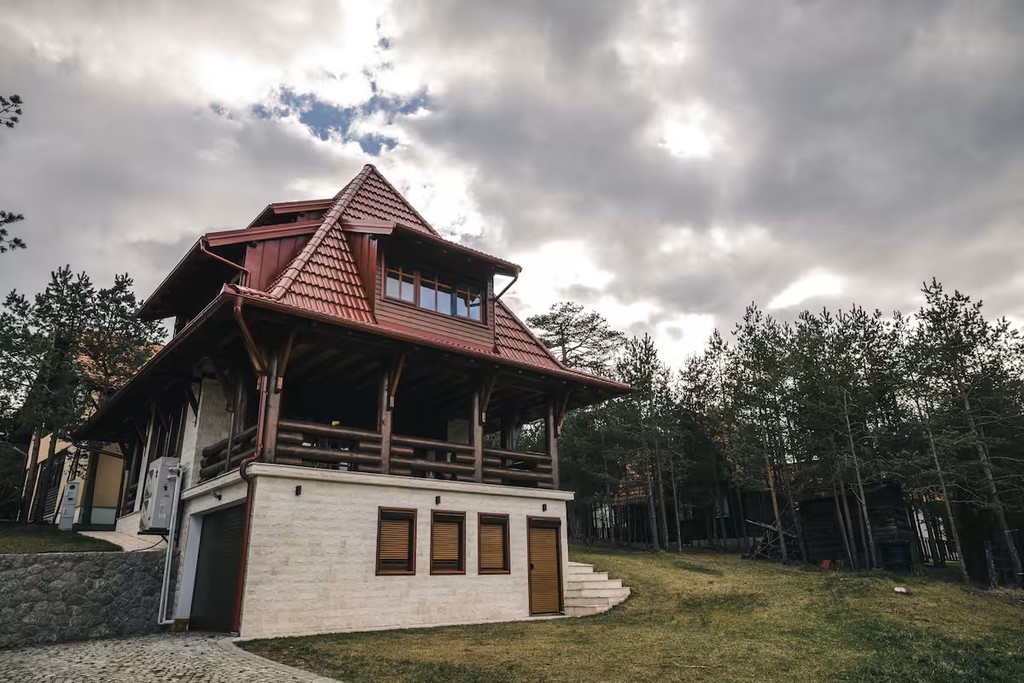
703,616
37,538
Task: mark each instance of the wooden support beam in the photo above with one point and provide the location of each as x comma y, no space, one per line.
384,419
510,431
190,396
396,375
273,408
485,396
551,431
562,410
286,355
477,436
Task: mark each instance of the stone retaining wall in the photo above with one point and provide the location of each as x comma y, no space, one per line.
53,597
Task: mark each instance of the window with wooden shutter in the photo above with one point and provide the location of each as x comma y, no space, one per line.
448,543
493,544
396,541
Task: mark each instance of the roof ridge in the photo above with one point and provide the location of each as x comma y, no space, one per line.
408,205
288,275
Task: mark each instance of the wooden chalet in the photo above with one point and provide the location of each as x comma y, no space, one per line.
341,374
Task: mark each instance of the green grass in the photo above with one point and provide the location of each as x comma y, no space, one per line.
37,538
703,616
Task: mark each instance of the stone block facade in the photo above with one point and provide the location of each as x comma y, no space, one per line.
54,597
311,566
312,554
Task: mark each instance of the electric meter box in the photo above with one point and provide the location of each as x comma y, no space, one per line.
158,497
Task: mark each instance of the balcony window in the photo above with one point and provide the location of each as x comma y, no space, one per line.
432,292
401,284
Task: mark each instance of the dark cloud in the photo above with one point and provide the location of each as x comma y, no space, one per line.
878,142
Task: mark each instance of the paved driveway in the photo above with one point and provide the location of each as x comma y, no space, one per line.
192,657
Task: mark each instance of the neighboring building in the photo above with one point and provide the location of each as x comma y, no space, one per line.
345,391
98,473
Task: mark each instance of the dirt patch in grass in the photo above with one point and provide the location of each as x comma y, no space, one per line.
702,616
40,538
696,568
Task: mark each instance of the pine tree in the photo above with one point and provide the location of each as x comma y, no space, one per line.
580,339
10,114
66,350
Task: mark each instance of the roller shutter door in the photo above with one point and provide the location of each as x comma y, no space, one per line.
220,550
545,568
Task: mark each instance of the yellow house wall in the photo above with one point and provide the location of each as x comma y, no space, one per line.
108,473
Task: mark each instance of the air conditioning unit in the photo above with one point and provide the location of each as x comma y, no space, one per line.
158,496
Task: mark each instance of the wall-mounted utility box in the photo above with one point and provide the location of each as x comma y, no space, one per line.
158,496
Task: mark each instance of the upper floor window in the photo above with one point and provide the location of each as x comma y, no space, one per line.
434,293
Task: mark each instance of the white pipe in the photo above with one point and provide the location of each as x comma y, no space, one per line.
165,587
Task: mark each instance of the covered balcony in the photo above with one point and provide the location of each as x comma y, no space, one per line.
336,401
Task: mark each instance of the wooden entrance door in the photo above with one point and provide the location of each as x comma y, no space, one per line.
220,550
544,556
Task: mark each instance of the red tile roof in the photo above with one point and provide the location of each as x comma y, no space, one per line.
374,197
323,280
514,340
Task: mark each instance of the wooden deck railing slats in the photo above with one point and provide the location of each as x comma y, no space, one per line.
317,429
304,443
216,448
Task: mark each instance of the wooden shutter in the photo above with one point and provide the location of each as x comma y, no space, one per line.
493,545
545,575
396,543
446,543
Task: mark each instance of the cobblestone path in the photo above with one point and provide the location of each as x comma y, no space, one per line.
192,657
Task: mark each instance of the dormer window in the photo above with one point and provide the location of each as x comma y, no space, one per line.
434,292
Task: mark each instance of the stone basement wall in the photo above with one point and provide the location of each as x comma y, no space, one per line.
312,557
54,597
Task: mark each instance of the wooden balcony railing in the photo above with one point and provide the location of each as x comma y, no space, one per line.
316,445
312,444
216,458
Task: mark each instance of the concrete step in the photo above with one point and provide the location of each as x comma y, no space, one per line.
584,611
602,603
589,592
572,584
605,593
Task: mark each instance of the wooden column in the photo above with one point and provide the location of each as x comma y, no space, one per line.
273,388
510,431
551,431
384,420
477,436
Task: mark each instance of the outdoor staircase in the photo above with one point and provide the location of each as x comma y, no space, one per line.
588,592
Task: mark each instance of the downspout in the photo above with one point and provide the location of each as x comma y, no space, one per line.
204,248
494,328
260,368
507,287
165,586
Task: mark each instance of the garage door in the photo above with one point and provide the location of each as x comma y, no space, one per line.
545,551
220,549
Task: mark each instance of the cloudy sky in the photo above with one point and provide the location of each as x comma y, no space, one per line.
665,163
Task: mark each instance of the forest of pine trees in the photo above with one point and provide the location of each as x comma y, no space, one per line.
836,404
